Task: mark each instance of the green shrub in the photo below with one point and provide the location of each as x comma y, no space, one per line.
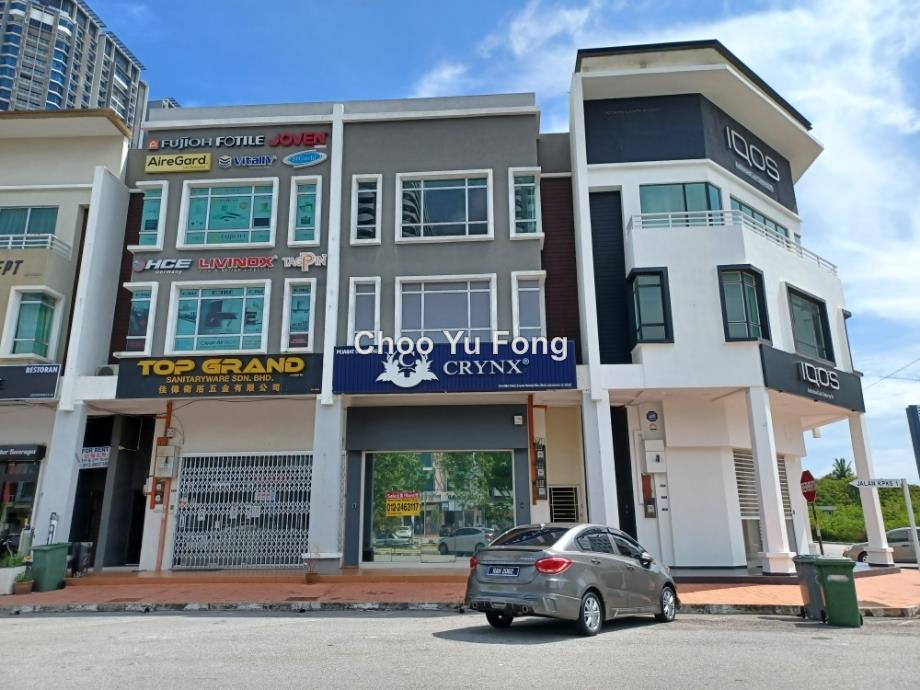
11,561
24,576
846,523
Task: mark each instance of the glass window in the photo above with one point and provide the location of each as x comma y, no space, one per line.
531,536
530,308
31,221
626,547
445,208
34,323
219,318
300,308
742,303
432,307
679,204
150,217
650,307
229,215
758,217
138,320
594,540
305,220
809,326
365,316
526,211
367,210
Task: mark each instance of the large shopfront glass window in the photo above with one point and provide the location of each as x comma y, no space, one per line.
229,215
438,208
219,318
34,324
431,307
17,494
436,507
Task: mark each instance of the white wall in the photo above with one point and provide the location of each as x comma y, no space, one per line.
25,423
564,458
59,160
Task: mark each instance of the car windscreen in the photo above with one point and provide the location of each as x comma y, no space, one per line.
531,536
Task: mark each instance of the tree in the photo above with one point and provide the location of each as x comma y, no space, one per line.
842,469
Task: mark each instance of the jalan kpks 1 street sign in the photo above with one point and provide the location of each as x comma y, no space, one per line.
877,483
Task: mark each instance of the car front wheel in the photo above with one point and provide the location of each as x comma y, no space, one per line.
499,619
442,549
590,615
863,557
668,604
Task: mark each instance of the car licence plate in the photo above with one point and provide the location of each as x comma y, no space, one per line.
502,571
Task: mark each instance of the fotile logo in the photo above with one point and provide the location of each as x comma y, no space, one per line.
402,375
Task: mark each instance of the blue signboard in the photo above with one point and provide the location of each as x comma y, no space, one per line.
444,371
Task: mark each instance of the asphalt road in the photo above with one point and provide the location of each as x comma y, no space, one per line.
419,650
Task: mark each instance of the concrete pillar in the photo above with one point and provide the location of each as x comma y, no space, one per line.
58,485
600,473
327,489
777,558
879,553
102,542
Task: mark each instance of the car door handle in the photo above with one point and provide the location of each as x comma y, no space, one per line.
596,561
630,567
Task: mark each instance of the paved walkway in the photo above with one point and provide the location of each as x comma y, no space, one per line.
895,594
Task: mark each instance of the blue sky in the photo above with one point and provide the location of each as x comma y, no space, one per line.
851,66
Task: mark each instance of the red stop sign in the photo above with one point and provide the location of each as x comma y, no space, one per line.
809,490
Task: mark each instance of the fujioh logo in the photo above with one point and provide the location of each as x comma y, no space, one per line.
402,375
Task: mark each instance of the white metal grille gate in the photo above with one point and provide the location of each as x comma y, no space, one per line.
242,510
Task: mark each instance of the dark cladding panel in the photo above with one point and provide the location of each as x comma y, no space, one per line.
658,128
123,298
746,156
818,381
610,277
558,260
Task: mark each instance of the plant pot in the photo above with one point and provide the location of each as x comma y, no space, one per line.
23,587
8,578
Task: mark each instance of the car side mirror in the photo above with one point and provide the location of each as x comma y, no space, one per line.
646,559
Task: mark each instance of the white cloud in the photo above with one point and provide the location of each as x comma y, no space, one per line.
850,66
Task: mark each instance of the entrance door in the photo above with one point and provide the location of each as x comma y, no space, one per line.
622,462
435,507
243,510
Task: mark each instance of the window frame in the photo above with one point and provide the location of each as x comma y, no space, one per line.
292,210
161,222
536,171
662,272
825,324
175,287
493,301
12,320
154,288
188,185
446,175
378,228
705,182
757,274
786,232
353,283
290,283
516,277
28,210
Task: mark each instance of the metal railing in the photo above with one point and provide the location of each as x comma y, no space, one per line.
51,242
704,219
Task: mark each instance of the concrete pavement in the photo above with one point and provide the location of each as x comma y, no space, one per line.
385,650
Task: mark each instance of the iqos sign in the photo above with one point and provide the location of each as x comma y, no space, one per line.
819,376
751,154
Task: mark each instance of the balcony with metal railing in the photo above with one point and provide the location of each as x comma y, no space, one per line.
708,219
43,241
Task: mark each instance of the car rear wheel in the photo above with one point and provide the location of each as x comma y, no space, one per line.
442,549
862,557
499,619
590,614
667,600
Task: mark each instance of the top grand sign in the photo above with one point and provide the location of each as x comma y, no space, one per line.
282,140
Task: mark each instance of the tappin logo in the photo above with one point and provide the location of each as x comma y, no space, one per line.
402,375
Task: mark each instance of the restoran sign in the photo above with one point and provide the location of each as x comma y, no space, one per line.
379,364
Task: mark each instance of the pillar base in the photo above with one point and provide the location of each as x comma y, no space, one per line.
779,563
880,556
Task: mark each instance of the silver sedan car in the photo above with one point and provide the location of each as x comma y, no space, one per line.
582,573
902,548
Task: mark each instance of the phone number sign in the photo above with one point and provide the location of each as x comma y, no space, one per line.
403,503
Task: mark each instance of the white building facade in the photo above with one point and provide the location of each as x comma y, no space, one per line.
714,339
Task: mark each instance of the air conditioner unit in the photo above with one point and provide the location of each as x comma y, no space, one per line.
107,370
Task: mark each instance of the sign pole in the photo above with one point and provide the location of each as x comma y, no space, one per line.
814,512
910,519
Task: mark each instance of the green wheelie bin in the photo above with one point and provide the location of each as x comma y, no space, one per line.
49,565
839,591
